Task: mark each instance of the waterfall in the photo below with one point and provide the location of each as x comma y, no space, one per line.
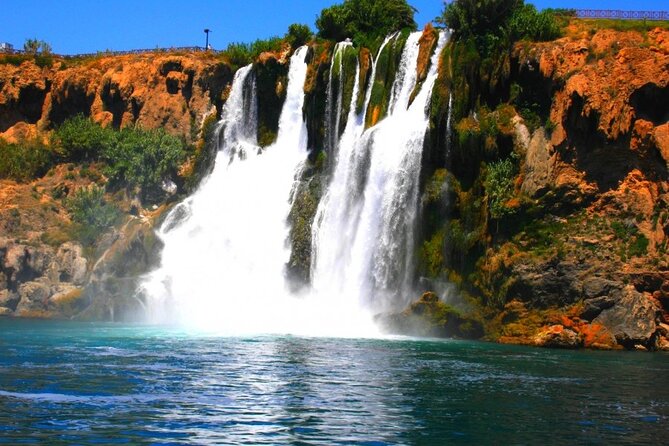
222,265
334,103
226,246
363,236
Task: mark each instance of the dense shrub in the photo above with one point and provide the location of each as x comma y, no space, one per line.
80,139
494,24
364,20
144,159
499,187
241,54
91,213
133,157
24,162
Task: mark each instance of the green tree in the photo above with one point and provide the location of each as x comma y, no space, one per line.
365,19
298,35
34,46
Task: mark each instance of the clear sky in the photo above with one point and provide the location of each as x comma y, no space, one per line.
81,26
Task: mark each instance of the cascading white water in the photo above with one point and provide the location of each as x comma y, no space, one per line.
222,266
363,238
335,98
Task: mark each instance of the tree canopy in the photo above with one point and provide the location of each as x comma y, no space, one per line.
365,19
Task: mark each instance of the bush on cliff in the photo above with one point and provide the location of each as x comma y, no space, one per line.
144,159
24,162
240,54
79,139
133,157
365,20
495,23
91,213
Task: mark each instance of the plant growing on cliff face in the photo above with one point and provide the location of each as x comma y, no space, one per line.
499,187
365,20
91,213
80,139
23,162
143,158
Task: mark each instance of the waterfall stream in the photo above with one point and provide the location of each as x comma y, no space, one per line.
363,236
223,263
225,247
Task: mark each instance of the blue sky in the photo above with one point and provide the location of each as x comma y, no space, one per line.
80,26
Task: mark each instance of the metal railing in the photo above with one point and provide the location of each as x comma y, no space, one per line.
122,53
621,15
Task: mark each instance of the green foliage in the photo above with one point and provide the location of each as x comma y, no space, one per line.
527,23
91,213
24,162
499,187
35,46
240,54
495,24
363,20
133,157
298,35
143,158
80,139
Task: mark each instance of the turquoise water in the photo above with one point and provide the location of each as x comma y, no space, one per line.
75,383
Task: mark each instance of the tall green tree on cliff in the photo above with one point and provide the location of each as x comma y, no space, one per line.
365,19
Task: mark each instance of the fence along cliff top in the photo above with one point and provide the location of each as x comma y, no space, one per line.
621,15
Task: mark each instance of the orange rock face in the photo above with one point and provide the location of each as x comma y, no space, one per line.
613,76
172,91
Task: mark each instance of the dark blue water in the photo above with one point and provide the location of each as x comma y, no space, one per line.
73,383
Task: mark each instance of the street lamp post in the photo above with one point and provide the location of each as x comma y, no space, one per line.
206,44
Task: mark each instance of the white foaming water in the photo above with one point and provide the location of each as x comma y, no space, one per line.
363,236
223,264
334,104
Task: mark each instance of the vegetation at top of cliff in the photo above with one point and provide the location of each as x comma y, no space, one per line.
365,20
133,157
492,24
240,54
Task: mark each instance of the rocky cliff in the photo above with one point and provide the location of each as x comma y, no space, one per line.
552,213
168,90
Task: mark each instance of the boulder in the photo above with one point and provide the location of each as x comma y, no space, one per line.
631,320
593,307
596,286
557,336
5,311
33,298
8,299
70,264
547,284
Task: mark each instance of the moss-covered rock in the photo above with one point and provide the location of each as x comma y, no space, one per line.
302,213
271,82
429,316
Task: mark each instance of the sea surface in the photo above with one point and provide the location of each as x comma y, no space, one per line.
81,383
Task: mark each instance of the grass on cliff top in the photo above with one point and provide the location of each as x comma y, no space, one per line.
618,25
